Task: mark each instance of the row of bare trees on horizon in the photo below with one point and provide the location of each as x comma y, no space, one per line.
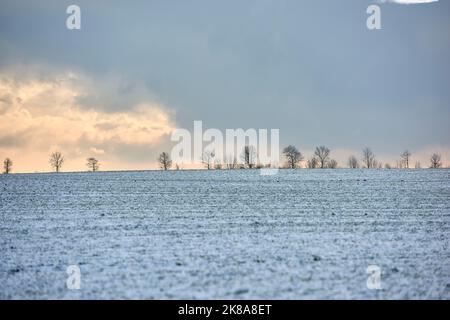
294,158
321,159
56,162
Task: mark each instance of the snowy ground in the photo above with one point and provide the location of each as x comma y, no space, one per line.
303,234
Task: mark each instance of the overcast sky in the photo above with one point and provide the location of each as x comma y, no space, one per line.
137,69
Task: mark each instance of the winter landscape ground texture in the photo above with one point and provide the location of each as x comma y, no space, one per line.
303,234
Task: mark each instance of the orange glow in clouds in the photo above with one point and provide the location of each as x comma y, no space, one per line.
38,117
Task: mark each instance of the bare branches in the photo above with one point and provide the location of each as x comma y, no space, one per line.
435,161
7,166
368,159
323,154
353,162
332,164
208,159
312,163
231,163
405,158
56,161
92,164
164,161
293,156
249,156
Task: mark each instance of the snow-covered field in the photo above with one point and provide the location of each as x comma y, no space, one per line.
304,234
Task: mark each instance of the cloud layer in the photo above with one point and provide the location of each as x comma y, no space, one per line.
38,116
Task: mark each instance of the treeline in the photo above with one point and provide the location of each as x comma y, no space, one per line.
293,159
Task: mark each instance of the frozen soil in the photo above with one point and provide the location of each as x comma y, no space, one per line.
305,234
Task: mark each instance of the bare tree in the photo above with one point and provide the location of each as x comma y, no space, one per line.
435,161
56,161
312,163
323,154
405,158
218,165
208,159
293,156
164,161
417,165
353,162
7,166
369,159
249,156
332,164
231,163
93,164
